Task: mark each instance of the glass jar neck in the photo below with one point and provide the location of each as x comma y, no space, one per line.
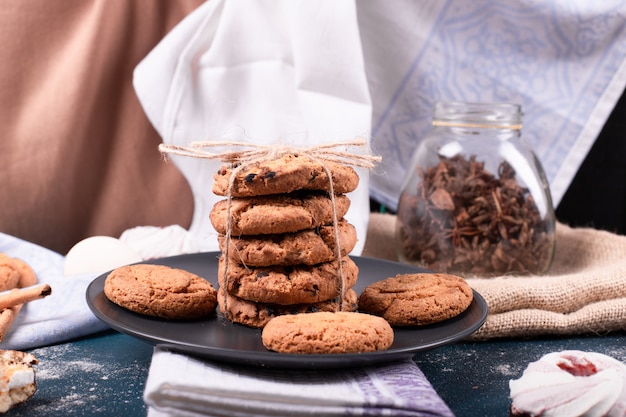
477,115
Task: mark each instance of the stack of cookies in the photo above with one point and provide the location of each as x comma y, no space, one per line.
284,239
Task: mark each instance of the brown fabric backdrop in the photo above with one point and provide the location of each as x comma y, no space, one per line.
78,156
584,292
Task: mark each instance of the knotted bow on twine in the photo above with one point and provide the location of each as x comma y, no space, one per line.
254,153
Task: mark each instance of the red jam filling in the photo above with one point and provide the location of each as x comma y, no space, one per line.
582,368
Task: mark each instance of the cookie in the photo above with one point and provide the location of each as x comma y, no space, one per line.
285,174
327,333
251,314
307,247
287,285
161,291
9,273
277,214
28,276
416,299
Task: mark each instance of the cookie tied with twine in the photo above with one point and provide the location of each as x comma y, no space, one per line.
332,172
283,175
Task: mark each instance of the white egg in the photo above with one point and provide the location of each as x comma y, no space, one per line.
98,254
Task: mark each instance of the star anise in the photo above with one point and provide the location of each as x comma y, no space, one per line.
464,219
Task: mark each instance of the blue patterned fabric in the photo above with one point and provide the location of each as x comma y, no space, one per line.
563,61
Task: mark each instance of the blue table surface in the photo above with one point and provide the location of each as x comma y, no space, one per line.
105,374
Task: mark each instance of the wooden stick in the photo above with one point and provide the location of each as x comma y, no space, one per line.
28,278
6,319
23,295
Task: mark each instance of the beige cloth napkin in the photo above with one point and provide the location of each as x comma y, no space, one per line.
584,292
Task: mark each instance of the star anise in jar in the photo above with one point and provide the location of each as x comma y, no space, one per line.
464,219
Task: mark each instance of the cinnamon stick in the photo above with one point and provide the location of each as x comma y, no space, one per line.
23,295
6,319
27,278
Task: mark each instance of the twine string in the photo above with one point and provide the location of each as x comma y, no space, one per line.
257,153
335,220
248,154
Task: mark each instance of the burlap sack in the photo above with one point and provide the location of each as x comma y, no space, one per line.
583,293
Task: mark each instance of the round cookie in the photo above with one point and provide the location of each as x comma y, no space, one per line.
287,285
307,247
251,314
289,172
160,291
277,214
9,273
28,276
324,333
416,299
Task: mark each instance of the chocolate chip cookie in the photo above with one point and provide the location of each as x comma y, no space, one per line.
288,173
416,299
327,333
251,314
307,247
277,214
161,291
287,285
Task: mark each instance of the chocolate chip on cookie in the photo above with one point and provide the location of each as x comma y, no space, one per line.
416,299
161,291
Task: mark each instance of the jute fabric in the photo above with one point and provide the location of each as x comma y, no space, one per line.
584,292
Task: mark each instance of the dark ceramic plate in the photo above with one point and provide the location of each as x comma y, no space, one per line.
218,339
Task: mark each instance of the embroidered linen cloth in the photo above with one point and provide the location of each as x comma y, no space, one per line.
584,292
179,385
563,61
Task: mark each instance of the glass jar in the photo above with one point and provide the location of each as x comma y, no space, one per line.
475,200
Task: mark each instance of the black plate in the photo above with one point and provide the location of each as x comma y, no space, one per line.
218,339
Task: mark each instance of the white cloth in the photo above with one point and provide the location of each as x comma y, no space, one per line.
564,61
266,72
152,242
61,316
179,385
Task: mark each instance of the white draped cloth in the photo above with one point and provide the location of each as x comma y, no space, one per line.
264,72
